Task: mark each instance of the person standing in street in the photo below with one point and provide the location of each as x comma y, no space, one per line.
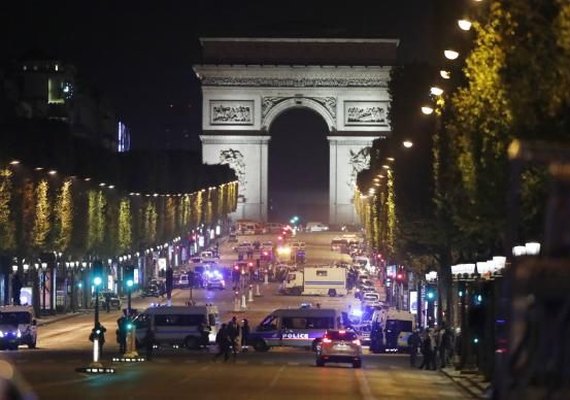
149,343
245,335
233,333
122,323
414,343
223,342
98,332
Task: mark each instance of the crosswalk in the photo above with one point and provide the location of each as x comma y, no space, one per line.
171,361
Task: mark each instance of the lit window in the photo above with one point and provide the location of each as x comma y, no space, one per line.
59,91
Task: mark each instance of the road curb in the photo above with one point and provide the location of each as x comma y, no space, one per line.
473,389
56,318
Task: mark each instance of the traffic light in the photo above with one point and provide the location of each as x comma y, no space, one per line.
430,294
98,271
129,276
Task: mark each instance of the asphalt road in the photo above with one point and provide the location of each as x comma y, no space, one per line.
182,374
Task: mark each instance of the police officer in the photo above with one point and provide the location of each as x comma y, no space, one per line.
122,324
149,343
98,332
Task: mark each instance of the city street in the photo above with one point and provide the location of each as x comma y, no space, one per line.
179,373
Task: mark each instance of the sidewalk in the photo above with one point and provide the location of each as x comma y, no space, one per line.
48,319
470,381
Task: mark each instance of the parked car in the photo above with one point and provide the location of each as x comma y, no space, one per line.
106,296
316,227
151,291
340,346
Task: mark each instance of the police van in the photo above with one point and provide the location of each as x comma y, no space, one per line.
17,327
179,325
302,327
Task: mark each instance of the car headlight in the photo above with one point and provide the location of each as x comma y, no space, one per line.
1,334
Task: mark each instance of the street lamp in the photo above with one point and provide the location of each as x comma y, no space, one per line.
130,284
464,24
450,54
427,110
97,282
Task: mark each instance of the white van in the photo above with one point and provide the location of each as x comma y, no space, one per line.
179,325
19,321
300,327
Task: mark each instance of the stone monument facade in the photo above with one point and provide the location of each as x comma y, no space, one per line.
247,83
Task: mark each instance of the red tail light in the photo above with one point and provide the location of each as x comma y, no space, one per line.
326,340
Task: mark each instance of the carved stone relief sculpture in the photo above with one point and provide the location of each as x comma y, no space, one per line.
236,161
358,161
231,112
365,113
329,103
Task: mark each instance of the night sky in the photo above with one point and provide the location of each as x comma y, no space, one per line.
139,54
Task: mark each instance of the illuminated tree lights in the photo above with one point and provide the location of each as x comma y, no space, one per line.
63,217
7,226
38,214
125,226
42,216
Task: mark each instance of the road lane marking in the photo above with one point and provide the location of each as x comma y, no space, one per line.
363,386
67,382
276,377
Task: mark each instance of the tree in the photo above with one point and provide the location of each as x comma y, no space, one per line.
7,227
41,228
63,210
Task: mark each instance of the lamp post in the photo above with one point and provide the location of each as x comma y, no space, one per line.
98,332
96,282
130,284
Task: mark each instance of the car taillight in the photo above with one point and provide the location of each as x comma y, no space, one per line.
326,340
356,342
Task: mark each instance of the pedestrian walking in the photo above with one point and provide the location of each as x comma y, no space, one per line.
107,297
245,335
223,343
233,333
149,343
444,347
428,361
414,343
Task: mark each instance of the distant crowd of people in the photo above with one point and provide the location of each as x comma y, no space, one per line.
437,347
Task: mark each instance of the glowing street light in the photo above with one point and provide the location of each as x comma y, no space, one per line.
445,74
427,110
436,91
450,54
464,24
407,144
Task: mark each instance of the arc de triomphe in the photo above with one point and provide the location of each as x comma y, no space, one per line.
248,82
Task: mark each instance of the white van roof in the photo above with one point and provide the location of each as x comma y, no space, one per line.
16,309
305,312
185,310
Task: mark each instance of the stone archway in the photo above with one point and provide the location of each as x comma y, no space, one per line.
298,167
247,83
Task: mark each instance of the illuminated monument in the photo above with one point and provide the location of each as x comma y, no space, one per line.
248,82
